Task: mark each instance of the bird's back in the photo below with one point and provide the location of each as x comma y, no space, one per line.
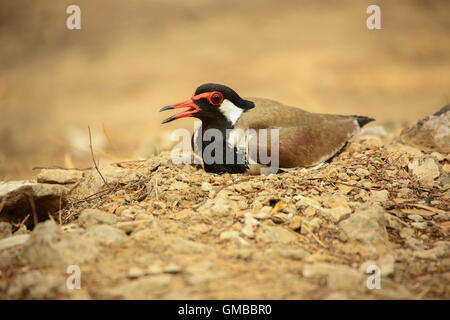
306,139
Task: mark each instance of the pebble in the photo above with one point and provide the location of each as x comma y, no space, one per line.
90,217
415,217
106,234
59,176
5,230
380,195
132,226
366,225
180,245
5,260
47,246
289,253
206,187
275,234
420,225
172,268
228,235
425,169
295,223
135,272
13,241
335,214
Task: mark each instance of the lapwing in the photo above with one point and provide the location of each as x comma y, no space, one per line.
305,139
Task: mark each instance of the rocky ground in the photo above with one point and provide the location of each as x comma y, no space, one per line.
155,230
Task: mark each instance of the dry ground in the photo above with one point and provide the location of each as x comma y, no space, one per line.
165,231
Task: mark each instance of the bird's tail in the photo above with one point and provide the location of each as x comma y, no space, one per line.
362,120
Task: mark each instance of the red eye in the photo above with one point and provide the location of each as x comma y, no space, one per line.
216,98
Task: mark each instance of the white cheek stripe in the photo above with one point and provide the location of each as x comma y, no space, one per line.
230,111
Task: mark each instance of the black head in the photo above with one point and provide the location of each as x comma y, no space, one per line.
213,103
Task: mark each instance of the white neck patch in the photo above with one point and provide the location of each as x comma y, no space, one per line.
230,111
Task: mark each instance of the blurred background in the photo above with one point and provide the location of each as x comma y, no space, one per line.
132,57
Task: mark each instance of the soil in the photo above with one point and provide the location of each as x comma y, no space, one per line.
165,231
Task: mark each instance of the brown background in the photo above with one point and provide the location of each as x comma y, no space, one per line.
132,57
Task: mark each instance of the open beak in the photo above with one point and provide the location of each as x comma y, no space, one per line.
192,108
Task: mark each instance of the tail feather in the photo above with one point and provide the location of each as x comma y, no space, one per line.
362,120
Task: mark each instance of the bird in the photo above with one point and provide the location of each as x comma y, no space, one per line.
305,139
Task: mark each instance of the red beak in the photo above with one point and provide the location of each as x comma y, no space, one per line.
187,113
193,108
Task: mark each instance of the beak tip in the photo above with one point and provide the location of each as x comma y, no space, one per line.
166,108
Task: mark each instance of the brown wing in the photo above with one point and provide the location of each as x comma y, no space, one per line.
305,139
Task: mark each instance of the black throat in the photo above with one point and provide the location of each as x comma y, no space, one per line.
218,156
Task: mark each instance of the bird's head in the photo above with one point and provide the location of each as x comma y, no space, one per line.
213,103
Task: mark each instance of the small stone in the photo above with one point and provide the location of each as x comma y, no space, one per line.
228,235
425,169
159,205
420,225
59,176
178,186
106,234
264,212
380,196
221,206
335,214
414,244
415,217
275,235
295,223
141,288
393,222
172,268
406,233
241,243
130,213
36,285
336,201
5,230
315,224
440,249
201,228
90,217
135,272
203,272
5,260
47,246
180,245
154,269
310,212
289,253
431,133
206,187
366,225
362,173
339,277
132,226
387,263
13,241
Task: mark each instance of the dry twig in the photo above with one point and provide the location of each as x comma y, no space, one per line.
93,159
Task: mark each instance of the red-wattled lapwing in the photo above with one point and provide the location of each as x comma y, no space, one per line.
305,139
